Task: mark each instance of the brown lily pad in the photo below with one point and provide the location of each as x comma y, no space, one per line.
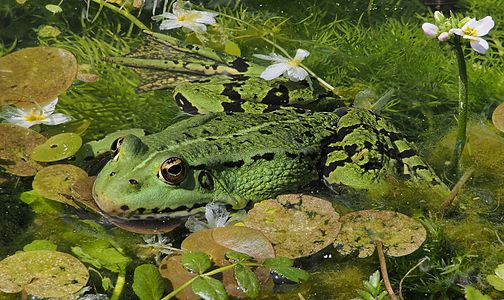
42,273
35,75
172,269
82,191
498,117
400,234
217,241
58,147
55,182
297,225
16,145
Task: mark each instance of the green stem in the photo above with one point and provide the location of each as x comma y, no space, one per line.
124,13
119,285
463,99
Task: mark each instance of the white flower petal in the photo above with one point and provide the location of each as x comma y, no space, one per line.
273,57
56,119
296,73
49,108
216,214
275,70
20,121
169,24
430,30
479,45
438,16
9,112
456,31
484,25
204,17
471,24
196,27
178,10
443,37
301,54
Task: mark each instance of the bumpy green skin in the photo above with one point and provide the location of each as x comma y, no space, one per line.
250,148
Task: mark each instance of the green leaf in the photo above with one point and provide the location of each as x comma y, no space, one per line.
499,271
106,283
247,280
40,204
147,282
293,274
374,280
40,245
474,294
55,9
232,48
278,261
209,288
365,295
101,255
197,262
496,282
235,256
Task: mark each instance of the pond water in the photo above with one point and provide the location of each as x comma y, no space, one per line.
446,243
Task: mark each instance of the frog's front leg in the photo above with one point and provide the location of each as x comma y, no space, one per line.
367,151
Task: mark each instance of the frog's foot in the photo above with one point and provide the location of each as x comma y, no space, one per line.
367,151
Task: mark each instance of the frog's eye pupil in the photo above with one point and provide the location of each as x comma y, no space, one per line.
115,147
172,171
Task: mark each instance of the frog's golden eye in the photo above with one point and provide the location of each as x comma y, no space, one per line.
173,171
116,146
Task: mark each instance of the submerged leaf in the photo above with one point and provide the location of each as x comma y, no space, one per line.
197,262
147,282
16,145
297,225
21,73
58,147
209,288
42,273
55,182
498,117
55,9
40,245
400,234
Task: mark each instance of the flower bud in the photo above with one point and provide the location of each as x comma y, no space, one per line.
430,30
438,16
443,37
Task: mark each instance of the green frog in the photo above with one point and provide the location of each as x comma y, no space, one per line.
248,140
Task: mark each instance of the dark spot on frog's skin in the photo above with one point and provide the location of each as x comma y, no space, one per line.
141,210
206,180
133,181
287,126
175,61
185,105
407,153
218,119
230,92
155,210
420,167
112,174
271,108
240,65
210,139
125,207
240,77
205,131
187,135
266,156
163,266
233,164
372,165
265,131
277,96
214,67
230,107
236,135
190,47
199,167
326,171
290,155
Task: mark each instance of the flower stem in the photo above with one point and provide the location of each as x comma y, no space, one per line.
383,269
124,13
463,99
119,285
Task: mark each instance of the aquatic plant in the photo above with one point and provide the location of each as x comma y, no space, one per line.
453,30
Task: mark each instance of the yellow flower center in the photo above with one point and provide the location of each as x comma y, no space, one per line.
187,17
33,117
294,62
471,32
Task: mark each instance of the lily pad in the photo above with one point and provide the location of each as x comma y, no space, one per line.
217,241
172,269
77,127
55,182
16,145
400,234
58,147
35,75
82,191
297,225
498,117
42,273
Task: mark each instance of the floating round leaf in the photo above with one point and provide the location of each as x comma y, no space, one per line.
55,182
297,225
35,75
82,190
498,117
171,268
58,147
217,241
42,273
16,144
400,234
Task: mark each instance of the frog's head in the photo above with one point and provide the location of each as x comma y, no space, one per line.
143,185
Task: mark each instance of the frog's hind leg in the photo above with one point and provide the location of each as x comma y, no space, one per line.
367,151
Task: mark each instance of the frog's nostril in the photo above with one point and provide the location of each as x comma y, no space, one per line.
133,181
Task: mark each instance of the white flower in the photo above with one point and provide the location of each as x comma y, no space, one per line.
443,37
194,20
473,31
282,65
430,30
32,116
